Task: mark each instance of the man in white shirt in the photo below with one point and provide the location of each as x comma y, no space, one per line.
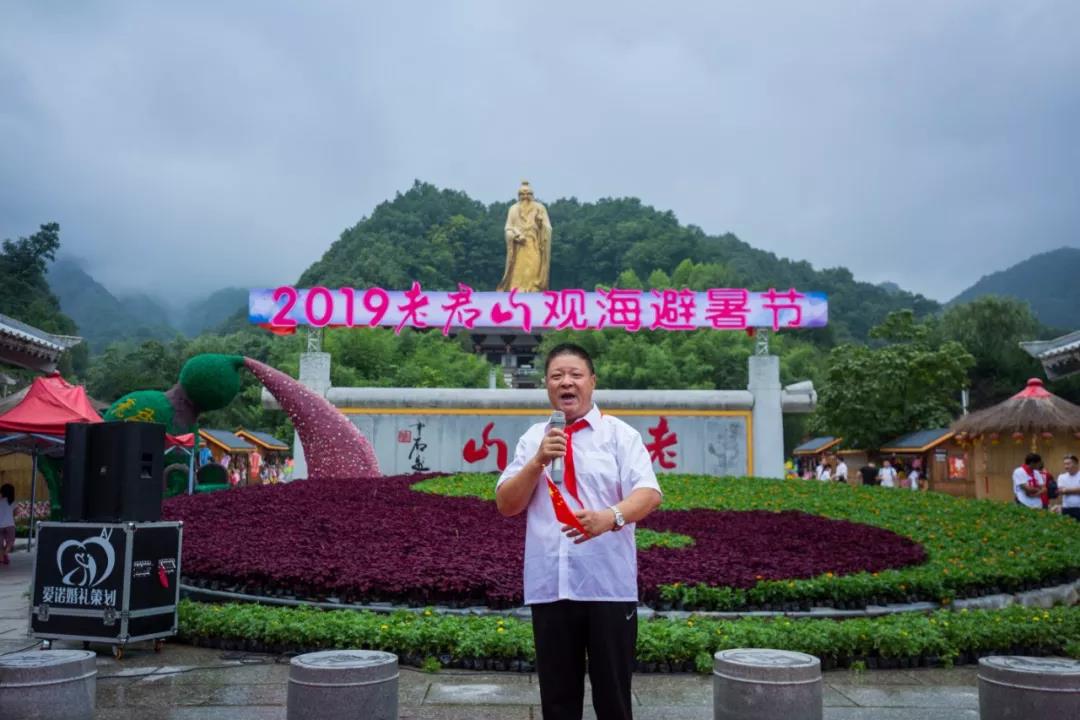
580,555
841,471
887,475
1026,486
1069,487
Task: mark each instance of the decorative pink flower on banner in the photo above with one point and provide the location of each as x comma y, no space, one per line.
333,446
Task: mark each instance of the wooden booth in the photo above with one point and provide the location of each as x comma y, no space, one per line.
810,452
269,446
222,443
997,438
942,462
273,454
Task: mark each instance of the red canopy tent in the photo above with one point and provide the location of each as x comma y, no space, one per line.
50,404
39,421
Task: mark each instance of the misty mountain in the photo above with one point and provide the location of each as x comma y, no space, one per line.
101,317
151,311
1049,282
208,314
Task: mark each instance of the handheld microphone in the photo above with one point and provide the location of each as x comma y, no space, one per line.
558,420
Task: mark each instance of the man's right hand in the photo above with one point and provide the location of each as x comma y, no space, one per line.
552,446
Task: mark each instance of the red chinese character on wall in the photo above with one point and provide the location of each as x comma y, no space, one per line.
663,439
473,453
566,306
675,311
778,302
404,436
621,308
727,309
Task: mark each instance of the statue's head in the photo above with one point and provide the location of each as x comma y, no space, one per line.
525,193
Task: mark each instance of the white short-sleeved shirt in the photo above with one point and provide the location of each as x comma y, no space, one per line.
7,514
913,479
610,462
841,471
887,476
1069,482
823,474
1021,478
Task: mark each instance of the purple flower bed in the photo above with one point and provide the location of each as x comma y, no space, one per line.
378,540
739,548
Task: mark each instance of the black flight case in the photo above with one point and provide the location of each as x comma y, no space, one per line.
115,582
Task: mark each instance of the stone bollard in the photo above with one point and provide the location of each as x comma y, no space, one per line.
48,685
1013,687
343,685
759,684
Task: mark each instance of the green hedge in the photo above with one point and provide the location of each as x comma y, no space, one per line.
490,642
974,547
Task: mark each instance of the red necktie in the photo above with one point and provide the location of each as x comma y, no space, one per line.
563,513
569,476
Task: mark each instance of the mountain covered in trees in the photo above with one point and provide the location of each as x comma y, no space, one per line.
442,237
102,318
1049,282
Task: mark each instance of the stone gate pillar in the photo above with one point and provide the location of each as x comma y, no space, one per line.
315,375
767,416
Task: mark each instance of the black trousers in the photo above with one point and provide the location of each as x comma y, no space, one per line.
570,635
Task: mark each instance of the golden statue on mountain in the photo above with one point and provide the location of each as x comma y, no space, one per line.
528,244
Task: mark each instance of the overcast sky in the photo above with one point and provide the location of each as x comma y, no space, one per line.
926,143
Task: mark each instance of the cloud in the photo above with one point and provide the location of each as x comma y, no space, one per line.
193,146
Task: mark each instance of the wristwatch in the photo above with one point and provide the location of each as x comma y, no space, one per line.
619,519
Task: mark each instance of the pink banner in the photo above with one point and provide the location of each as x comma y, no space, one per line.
284,308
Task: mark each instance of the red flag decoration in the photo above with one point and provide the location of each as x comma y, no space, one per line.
563,513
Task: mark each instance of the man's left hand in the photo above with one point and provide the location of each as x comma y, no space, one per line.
595,522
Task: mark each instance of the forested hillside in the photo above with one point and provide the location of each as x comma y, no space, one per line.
442,237
1048,282
101,317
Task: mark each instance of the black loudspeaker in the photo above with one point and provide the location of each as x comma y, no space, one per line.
119,476
73,483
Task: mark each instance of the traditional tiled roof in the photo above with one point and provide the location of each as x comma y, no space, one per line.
30,347
1059,357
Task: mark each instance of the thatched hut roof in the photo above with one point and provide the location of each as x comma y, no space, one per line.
1032,410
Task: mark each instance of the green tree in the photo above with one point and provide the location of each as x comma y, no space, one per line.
871,395
991,329
126,367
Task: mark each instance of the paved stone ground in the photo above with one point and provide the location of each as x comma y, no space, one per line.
185,683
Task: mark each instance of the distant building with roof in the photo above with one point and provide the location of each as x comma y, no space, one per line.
223,442
1060,357
265,442
29,347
